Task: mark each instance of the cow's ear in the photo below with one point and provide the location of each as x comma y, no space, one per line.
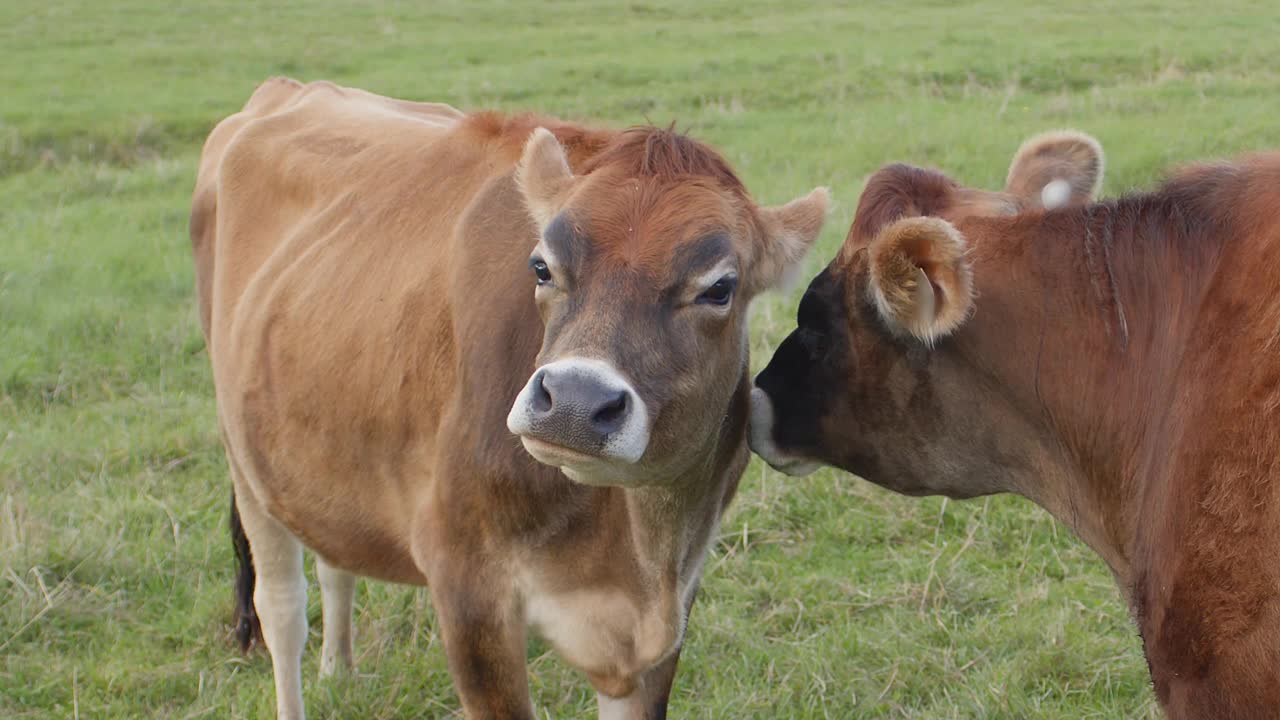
921,279
543,175
789,232
1057,168
894,192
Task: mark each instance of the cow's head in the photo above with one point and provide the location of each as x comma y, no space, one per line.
647,261
871,380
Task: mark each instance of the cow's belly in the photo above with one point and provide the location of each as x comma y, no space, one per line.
330,402
356,517
364,549
343,483
352,534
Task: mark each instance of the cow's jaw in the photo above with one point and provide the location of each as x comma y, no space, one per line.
762,443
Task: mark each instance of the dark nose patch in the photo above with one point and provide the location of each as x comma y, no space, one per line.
576,409
542,397
610,416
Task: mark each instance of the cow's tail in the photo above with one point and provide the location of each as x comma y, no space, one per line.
248,629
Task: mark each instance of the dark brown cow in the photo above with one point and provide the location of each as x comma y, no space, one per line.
1118,363
390,290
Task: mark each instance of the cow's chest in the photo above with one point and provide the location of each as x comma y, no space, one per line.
610,634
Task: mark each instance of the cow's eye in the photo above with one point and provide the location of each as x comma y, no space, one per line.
540,270
720,292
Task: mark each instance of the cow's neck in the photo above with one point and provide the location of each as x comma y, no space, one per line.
663,523
632,558
1088,355
670,523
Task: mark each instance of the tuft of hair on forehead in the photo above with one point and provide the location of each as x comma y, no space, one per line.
649,151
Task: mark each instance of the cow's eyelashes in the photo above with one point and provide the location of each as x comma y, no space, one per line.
540,270
720,292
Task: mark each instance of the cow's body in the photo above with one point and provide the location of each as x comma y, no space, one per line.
363,271
1121,367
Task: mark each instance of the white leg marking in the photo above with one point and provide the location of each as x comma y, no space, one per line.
337,592
281,602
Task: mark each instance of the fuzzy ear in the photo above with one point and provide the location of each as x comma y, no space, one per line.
1057,168
921,281
543,175
898,191
790,231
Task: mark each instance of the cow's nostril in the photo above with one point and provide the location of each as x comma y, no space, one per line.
610,416
583,406
542,400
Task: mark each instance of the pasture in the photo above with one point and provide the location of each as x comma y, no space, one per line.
823,596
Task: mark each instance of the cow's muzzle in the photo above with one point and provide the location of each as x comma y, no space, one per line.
760,438
580,409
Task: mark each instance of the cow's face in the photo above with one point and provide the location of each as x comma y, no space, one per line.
854,385
872,380
643,282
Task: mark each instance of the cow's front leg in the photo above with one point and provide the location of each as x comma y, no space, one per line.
483,629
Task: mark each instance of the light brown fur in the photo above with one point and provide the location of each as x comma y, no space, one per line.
361,270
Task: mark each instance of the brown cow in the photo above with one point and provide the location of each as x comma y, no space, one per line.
387,287
1118,363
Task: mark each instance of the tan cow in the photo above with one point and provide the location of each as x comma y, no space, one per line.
1118,363
501,356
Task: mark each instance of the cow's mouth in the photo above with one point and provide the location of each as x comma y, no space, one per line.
794,467
760,439
581,467
549,453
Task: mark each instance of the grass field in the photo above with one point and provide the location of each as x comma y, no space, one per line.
824,597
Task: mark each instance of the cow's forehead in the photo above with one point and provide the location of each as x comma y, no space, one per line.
661,226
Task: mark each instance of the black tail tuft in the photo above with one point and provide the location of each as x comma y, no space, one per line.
248,628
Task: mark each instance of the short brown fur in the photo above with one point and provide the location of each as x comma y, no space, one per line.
1121,370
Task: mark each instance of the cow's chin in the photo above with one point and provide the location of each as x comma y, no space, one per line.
583,468
760,438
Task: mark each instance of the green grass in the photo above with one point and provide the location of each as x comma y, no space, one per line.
824,597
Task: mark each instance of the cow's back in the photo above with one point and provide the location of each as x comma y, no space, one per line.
333,255
275,96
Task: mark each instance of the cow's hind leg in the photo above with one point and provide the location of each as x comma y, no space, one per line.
337,593
280,598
